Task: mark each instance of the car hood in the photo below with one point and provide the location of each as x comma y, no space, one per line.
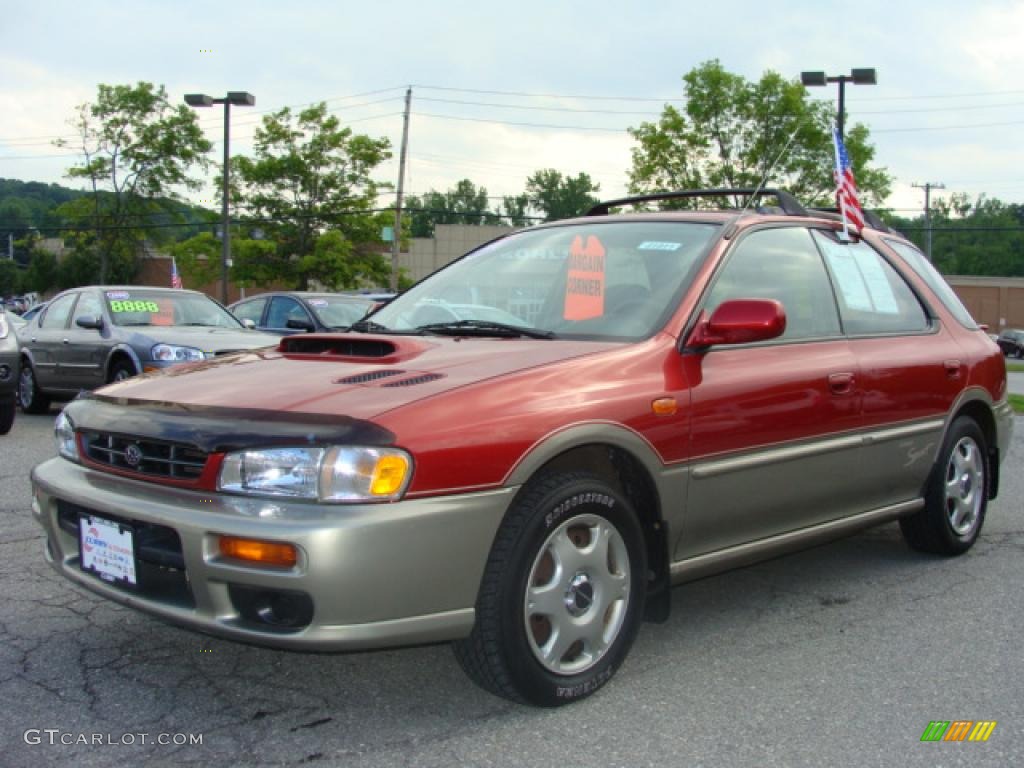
347,375
212,341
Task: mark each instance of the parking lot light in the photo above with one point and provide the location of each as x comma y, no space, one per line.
862,76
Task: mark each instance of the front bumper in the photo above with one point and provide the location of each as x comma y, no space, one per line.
377,575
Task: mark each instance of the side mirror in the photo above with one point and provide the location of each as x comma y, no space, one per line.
95,322
739,321
249,323
300,325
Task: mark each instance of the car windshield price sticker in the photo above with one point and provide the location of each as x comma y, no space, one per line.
584,286
107,550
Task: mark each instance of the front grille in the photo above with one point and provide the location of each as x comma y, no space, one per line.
147,457
159,559
412,381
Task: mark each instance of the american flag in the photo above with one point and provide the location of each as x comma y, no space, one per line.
175,277
846,188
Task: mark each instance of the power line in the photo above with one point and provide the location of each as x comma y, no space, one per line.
525,125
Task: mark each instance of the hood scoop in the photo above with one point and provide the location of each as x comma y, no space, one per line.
342,346
366,378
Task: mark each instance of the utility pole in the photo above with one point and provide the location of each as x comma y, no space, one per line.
928,186
396,237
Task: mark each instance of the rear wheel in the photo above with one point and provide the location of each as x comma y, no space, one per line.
562,595
957,494
30,398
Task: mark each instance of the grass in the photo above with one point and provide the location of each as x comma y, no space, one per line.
1017,401
1015,367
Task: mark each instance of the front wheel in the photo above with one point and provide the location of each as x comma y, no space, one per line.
30,398
120,371
956,497
562,595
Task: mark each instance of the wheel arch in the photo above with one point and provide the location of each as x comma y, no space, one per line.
629,464
121,352
976,404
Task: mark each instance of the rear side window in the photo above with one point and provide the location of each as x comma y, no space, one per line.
873,297
250,310
927,272
784,265
58,312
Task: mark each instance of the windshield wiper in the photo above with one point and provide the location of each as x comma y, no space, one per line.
368,326
484,328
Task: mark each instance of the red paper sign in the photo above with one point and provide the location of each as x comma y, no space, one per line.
584,286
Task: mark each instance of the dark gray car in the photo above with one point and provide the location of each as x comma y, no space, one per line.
8,371
91,336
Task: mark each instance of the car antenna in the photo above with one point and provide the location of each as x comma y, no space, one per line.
768,173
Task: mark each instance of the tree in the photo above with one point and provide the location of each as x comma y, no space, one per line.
561,197
10,278
336,264
515,210
735,133
465,203
136,147
42,273
308,174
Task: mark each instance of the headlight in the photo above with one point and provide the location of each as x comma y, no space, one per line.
169,353
64,434
336,474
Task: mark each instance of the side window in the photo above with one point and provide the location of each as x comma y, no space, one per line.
250,310
283,309
58,312
927,272
873,297
784,265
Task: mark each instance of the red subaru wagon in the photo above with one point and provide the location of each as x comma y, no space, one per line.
524,451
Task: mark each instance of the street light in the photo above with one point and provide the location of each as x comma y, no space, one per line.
856,76
239,99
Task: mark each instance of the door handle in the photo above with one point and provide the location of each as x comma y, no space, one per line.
66,341
841,383
952,368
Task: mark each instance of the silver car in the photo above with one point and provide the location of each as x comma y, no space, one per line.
91,336
8,371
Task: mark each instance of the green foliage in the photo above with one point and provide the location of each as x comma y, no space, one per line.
11,279
135,147
253,262
515,210
980,237
42,273
308,174
465,203
336,264
734,133
198,259
559,197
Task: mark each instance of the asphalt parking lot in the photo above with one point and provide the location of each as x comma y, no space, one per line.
840,655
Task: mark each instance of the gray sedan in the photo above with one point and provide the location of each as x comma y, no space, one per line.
91,336
8,371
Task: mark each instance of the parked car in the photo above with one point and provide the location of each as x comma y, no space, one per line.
288,312
651,398
90,336
1011,342
32,311
8,371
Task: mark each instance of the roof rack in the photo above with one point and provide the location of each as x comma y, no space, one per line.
789,204
871,218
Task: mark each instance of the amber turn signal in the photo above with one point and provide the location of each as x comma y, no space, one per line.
262,552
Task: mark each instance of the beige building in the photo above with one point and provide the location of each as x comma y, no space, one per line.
997,302
429,254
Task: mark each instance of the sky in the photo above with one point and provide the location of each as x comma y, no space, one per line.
502,90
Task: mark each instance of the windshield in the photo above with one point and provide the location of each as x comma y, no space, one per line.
135,307
615,279
337,312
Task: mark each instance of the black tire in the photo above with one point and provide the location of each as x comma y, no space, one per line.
30,397
7,408
956,497
121,369
558,520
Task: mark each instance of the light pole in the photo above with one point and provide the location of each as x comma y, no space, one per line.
239,99
856,76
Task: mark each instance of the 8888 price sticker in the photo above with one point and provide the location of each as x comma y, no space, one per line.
127,305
